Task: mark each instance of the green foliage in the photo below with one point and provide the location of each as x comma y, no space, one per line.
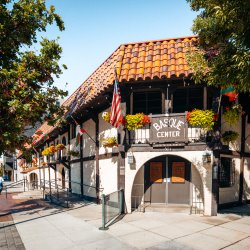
27,94
49,150
74,153
109,142
232,115
229,136
136,121
1,169
106,116
27,155
201,118
223,29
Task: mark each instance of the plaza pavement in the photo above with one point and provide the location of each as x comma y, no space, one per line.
48,227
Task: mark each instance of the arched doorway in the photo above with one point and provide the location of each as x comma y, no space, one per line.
63,178
164,180
33,181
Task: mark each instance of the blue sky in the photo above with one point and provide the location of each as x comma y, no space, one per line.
95,28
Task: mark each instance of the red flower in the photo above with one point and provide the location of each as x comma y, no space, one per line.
216,117
188,116
227,108
146,119
123,121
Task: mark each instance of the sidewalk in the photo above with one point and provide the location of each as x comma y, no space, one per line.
57,228
78,229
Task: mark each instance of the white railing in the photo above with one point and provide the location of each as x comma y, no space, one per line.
142,135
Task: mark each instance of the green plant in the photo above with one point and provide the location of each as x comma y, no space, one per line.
60,146
229,136
136,121
106,116
49,151
232,115
1,169
109,142
74,153
201,118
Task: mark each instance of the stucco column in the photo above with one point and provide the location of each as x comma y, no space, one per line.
128,178
208,190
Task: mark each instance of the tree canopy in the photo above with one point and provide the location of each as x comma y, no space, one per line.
27,93
223,29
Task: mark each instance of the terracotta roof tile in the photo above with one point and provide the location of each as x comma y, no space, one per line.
139,61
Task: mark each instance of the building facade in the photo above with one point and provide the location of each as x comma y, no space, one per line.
167,161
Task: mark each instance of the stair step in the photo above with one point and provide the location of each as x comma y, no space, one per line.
36,194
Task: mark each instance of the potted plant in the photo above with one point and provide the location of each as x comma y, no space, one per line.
49,151
60,147
201,118
74,153
106,116
232,115
229,136
109,142
136,121
43,164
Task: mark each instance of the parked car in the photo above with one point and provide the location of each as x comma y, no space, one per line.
6,178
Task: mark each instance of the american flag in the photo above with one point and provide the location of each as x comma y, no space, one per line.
116,116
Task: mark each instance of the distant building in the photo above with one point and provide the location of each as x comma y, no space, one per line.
9,164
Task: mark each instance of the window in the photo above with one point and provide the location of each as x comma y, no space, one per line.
73,131
64,141
147,102
186,99
227,172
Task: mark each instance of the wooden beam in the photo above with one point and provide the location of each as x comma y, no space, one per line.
242,160
65,164
68,167
205,97
81,165
97,177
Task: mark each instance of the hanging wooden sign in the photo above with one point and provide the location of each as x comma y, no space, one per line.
168,128
156,172
178,172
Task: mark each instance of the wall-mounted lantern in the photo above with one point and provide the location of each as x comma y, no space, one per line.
215,172
131,159
206,156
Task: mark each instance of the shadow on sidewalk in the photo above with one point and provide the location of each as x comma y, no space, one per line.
243,210
31,207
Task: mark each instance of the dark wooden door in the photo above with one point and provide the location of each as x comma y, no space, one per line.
63,178
155,186
178,181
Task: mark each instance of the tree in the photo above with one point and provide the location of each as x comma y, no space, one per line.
27,94
223,55
1,169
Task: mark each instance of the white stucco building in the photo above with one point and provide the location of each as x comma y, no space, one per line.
167,162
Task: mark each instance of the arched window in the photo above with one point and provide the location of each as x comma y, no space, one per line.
64,141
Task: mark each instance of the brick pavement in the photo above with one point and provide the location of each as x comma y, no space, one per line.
9,236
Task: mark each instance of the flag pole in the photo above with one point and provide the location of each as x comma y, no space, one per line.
35,150
84,130
219,104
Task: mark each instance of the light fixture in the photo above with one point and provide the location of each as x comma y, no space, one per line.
206,156
131,158
215,172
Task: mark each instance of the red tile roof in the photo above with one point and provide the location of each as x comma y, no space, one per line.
159,59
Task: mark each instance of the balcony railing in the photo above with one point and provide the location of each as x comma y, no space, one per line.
167,129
